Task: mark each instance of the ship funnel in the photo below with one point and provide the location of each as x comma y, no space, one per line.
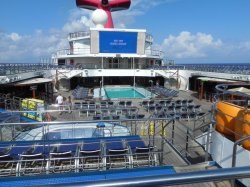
107,5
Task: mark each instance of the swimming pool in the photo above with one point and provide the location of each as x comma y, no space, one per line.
122,92
118,93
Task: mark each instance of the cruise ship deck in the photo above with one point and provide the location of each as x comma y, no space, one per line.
128,118
160,140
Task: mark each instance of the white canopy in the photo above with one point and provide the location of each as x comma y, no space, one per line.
34,81
240,89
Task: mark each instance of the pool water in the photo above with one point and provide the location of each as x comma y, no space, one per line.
118,93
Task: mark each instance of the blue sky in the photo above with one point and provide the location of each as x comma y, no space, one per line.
188,31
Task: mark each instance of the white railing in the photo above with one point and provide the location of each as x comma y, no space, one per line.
86,51
154,52
75,51
78,34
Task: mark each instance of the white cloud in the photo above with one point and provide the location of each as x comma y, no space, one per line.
245,45
137,8
14,37
144,5
30,48
77,25
188,45
185,45
42,43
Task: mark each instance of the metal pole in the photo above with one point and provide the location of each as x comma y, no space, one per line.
235,149
100,92
151,84
1,133
162,144
172,141
208,144
187,139
134,69
134,78
154,133
102,62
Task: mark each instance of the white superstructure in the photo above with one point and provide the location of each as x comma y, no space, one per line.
102,52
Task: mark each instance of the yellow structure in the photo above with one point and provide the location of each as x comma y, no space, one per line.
242,127
225,117
143,130
163,131
35,105
233,120
152,128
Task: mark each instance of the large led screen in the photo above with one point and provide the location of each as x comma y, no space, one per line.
117,42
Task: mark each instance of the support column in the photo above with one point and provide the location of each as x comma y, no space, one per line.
177,80
201,90
34,94
134,69
102,62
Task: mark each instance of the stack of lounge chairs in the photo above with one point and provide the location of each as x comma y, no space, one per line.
165,92
80,92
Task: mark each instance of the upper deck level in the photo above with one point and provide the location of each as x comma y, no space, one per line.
109,42
86,34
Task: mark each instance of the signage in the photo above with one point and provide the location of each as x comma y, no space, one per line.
117,42
33,107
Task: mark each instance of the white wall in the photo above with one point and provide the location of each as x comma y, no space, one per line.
81,46
183,76
221,151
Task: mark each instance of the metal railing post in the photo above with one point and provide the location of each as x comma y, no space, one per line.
207,144
1,133
187,139
172,138
234,154
235,149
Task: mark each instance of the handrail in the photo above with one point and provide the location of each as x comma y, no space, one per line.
78,121
174,179
229,69
223,88
86,50
78,34
235,149
7,68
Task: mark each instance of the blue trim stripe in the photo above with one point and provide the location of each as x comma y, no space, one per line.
72,178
